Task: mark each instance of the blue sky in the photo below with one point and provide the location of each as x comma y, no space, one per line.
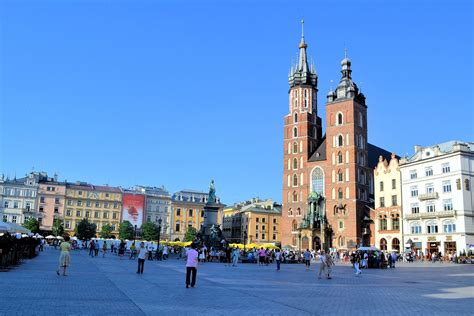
181,92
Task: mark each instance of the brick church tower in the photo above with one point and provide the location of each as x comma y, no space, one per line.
327,179
302,134
348,187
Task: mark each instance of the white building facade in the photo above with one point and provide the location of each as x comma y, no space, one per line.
438,201
157,206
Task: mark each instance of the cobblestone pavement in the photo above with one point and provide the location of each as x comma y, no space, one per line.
99,286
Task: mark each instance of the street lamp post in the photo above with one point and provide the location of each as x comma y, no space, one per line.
134,233
245,238
158,243
299,238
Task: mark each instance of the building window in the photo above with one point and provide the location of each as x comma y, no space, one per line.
295,163
317,180
394,200
15,204
395,244
79,192
449,227
178,212
416,228
114,215
339,118
296,118
42,199
88,214
88,203
432,227
445,168
14,219
148,218
382,201
298,212
97,204
107,195
383,244
429,188
68,212
202,213
448,205
69,202
78,213
68,224
295,180
430,207
446,186
295,131
105,215
290,212
256,235
394,184
106,204
96,214
341,224
413,174
340,177
115,204
56,201
56,210
396,223
274,237
177,227
295,225
295,196
415,208
340,141
41,209
79,203
414,191
428,171
383,223
5,204
361,120
274,222
381,185
340,159
190,212
340,194
263,227
467,185
263,236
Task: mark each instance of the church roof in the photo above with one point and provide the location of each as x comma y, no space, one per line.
374,153
320,153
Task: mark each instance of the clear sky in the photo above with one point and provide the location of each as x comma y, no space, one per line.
177,93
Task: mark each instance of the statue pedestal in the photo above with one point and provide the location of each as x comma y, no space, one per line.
211,211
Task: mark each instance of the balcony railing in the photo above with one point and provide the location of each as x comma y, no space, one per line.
428,196
431,215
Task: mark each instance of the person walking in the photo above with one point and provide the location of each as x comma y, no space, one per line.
329,263
357,263
91,248
141,257
133,251
235,257
278,258
150,252
261,256
307,259
191,266
322,263
104,249
96,248
64,257
228,255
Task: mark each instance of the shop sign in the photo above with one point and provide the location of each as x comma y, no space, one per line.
449,238
433,244
431,238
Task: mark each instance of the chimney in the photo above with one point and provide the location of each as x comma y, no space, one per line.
418,148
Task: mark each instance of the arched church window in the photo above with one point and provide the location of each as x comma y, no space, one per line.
298,211
339,119
295,180
290,212
317,180
295,147
295,97
361,120
340,141
295,131
296,118
339,157
295,163
294,225
305,98
339,194
295,196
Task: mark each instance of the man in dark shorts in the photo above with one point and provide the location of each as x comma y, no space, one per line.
307,258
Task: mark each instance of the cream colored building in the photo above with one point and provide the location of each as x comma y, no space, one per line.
100,205
253,221
388,205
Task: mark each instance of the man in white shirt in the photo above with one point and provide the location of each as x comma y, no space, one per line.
141,257
322,263
191,266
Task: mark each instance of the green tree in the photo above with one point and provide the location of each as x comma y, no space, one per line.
190,234
149,231
58,228
126,230
106,231
32,224
85,230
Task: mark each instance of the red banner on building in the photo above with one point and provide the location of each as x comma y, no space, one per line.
133,206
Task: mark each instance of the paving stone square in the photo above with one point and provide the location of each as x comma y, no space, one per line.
110,286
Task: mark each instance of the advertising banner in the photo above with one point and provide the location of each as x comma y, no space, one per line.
133,206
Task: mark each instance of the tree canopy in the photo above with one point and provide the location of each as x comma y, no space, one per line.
150,231
106,231
58,228
126,230
85,230
190,234
32,224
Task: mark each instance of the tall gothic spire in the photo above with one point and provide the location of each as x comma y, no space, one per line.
302,73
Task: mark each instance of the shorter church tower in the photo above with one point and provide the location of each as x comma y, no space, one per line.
347,173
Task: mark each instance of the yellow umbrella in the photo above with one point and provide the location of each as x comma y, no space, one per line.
271,246
240,246
250,246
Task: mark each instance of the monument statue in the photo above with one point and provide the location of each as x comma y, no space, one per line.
212,193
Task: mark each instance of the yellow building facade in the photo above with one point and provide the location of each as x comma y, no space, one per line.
100,205
187,210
